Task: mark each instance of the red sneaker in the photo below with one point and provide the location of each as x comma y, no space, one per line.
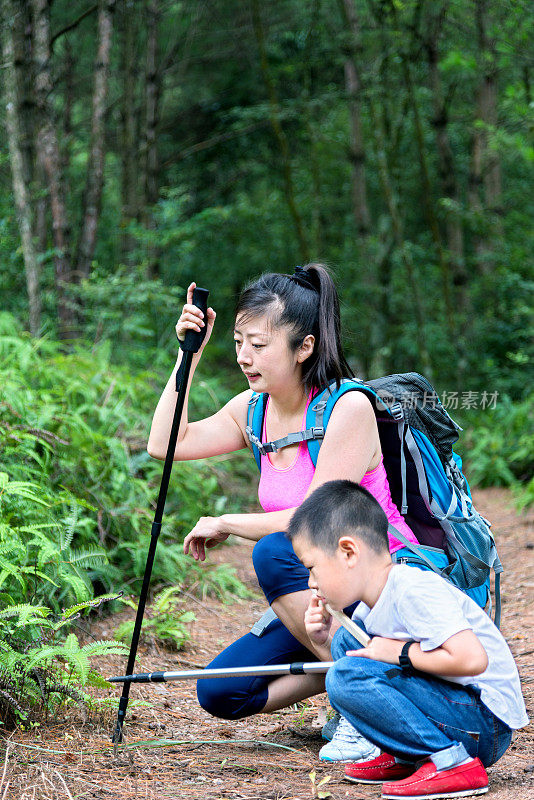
377,770
429,783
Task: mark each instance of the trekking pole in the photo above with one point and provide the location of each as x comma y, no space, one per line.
297,668
190,345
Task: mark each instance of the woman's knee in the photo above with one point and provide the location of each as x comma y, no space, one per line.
220,700
271,558
214,699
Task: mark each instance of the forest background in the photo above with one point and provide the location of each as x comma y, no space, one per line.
149,143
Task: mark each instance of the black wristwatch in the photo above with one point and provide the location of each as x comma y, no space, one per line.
404,658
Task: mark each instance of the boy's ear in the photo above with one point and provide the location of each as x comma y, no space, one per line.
349,547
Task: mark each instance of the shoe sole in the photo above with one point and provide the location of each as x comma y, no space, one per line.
352,760
467,793
341,761
362,780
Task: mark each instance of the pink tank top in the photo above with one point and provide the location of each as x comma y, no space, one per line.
286,488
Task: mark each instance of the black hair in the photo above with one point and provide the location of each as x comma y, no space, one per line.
312,308
338,508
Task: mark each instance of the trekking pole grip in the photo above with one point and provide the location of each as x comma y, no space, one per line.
193,339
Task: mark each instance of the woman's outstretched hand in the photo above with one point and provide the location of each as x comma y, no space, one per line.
206,533
192,319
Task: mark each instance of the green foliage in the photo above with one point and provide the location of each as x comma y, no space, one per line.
221,582
164,621
39,669
135,313
79,485
37,560
498,447
76,492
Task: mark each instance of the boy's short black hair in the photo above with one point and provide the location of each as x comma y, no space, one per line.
338,508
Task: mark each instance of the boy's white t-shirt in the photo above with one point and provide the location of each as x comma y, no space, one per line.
420,605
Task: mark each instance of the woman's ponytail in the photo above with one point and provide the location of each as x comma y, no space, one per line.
307,302
329,363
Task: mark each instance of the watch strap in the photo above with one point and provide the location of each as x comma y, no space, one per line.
404,658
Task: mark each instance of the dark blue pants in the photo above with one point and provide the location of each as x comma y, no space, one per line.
279,572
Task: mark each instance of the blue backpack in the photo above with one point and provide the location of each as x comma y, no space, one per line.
424,473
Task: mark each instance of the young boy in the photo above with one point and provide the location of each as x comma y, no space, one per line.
436,689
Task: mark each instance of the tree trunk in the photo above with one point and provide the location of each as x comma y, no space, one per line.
129,139
49,159
153,93
362,217
19,169
68,103
279,133
366,291
428,201
446,164
92,196
488,93
485,183
398,236
312,128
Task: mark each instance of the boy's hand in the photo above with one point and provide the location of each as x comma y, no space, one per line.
461,655
317,621
380,649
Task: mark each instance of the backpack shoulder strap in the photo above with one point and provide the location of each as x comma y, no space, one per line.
322,405
255,415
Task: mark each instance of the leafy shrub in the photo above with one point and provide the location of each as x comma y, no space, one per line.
39,669
131,312
77,490
498,447
75,427
164,621
221,582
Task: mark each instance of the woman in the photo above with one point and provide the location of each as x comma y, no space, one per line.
288,345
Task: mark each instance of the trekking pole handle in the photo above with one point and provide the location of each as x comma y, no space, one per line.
193,339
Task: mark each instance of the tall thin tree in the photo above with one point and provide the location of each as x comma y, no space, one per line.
19,169
279,133
92,196
50,161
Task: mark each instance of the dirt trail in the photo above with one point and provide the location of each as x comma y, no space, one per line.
268,757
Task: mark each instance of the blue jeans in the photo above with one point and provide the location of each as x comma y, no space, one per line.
413,716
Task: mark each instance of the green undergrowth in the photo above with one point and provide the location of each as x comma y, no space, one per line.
77,499
498,447
166,621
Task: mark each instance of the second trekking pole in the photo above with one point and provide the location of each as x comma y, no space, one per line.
190,345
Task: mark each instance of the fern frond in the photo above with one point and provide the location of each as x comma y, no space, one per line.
90,556
162,600
24,489
101,648
97,601
68,529
79,587
24,611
